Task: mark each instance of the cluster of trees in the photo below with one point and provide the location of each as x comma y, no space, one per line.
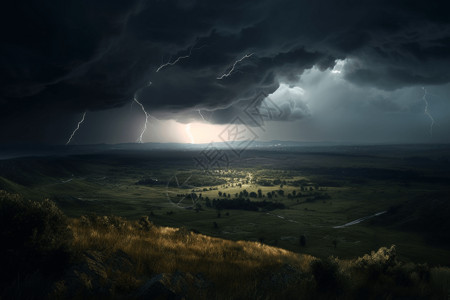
238,184
224,194
243,204
268,182
245,195
273,194
318,196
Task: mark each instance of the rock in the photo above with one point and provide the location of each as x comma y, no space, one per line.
155,289
120,261
89,277
285,276
185,282
173,286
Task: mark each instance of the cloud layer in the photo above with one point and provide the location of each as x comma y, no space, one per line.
75,56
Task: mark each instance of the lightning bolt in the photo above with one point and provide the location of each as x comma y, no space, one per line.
146,119
426,110
76,129
189,133
200,112
178,59
234,65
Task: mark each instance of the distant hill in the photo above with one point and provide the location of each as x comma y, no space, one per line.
26,150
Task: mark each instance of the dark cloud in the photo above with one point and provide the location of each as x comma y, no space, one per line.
60,57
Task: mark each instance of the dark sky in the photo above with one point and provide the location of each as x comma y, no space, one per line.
343,71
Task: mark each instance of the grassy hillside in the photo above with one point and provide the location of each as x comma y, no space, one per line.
111,257
331,189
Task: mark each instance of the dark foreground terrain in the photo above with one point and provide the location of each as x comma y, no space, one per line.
46,255
283,222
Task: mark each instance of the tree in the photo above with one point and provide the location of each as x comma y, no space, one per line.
335,242
259,193
302,240
220,193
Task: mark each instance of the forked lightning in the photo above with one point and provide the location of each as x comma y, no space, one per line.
178,59
146,119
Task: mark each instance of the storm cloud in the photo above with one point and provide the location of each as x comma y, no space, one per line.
60,58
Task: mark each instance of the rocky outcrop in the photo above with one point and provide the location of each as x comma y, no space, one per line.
96,275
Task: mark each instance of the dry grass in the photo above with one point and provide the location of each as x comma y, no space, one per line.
109,257
230,266
250,270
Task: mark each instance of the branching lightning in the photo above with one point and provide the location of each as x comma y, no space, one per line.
178,59
76,129
233,66
426,110
172,63
146,119
189,133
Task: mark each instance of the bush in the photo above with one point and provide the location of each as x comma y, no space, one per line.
105,222
145,223
34,236
327,275
302,240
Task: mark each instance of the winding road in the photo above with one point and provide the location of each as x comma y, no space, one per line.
360,220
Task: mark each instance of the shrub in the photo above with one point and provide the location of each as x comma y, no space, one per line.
377,263
327,275
105,222
145,223
302,240
34,236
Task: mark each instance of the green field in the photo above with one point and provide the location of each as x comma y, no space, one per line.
321,189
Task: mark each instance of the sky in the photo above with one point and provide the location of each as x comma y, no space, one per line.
111,71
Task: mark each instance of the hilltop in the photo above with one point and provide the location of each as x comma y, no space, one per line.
111,257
